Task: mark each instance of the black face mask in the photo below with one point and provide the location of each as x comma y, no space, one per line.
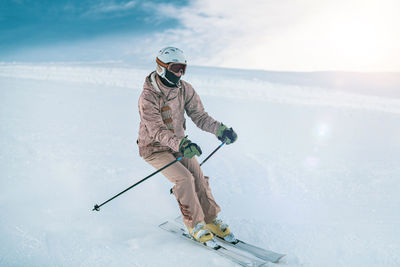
171,79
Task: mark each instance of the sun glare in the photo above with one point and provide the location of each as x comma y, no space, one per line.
344,36
364,38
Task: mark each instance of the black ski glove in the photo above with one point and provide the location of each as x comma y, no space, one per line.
189,149
226,134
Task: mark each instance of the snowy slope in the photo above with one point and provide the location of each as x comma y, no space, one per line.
314,173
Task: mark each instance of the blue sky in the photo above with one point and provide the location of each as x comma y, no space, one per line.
27,23
307,35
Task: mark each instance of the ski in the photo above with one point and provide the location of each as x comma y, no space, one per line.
261,253
256,251
225,252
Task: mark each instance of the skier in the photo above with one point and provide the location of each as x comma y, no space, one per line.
162,105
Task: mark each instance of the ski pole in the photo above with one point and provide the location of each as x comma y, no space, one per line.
209,156
97,207
212,153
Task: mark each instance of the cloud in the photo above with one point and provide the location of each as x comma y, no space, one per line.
227,30
285,35
106,7
307,35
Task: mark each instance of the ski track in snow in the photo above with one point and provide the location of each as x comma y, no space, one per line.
314,173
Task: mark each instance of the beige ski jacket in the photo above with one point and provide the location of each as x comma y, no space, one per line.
162,120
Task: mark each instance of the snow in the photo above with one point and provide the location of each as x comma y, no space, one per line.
314,173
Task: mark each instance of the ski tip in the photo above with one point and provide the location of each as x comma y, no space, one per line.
161,224
279,258
96,208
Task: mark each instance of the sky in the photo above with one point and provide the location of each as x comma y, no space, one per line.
281,35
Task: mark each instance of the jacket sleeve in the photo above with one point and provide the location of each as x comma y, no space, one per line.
151,117
195,110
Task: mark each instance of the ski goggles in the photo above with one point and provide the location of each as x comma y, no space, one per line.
175,68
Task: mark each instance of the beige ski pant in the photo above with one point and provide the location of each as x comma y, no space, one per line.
191,188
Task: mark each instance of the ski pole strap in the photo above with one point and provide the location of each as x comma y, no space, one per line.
97,207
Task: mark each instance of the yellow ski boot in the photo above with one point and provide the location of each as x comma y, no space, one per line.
201,233
221,230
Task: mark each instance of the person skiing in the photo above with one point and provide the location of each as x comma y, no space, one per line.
162,104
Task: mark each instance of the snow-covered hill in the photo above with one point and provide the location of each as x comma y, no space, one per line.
314,173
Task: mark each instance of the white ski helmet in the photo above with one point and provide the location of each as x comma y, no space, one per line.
168,55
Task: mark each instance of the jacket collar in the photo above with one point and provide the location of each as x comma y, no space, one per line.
157,86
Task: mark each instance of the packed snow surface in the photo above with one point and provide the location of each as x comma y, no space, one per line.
314,173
